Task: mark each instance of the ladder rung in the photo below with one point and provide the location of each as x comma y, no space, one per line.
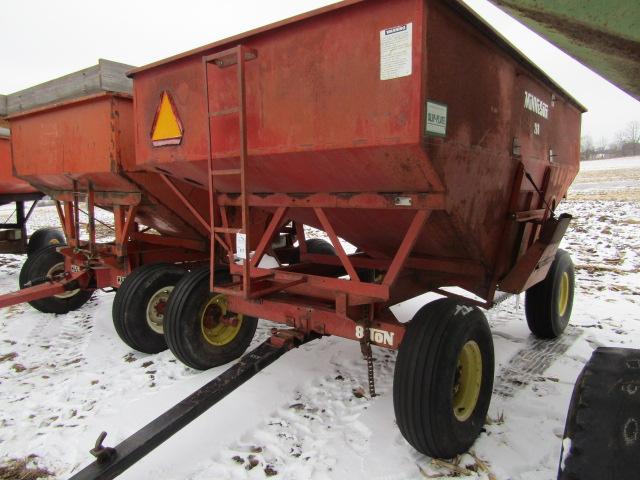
227,230
231,171
226,111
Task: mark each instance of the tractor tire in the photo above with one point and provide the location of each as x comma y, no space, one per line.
193,328
548,304
443,378
602,432
139,306
41,266
44,237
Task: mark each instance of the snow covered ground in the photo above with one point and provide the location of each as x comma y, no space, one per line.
64,379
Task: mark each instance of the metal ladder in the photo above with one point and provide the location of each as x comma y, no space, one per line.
233,56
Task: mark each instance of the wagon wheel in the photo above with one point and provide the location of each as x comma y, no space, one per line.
548,304
199,328
46,264
44,237
139,306
443,378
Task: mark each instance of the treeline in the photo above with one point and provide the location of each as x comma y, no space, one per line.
625,144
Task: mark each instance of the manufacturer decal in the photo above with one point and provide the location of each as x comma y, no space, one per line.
381,337
533,103
436,121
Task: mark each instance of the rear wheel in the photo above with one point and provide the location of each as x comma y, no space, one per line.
44,237
199,328
44,266
443,378
548,304
140,303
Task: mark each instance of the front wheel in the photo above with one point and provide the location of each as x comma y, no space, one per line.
44,266
199,328
548,304
443,378
139,306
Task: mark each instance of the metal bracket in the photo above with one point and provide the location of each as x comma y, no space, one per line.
103,454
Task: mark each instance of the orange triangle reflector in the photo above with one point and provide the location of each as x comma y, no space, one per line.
167,127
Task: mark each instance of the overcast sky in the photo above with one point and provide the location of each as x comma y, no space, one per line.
44,39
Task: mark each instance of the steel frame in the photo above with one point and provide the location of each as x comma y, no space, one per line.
298,292
305,297
91,265
131,247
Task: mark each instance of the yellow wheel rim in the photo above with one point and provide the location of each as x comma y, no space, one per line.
563,297
466,389
214,329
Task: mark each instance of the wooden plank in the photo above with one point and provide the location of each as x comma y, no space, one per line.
113,76
106,76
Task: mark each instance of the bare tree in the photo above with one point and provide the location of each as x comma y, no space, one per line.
587,150
631,137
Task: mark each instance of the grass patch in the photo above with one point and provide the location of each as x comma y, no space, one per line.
23,469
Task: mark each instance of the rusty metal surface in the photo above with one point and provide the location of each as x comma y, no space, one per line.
90,140
9,184
319,120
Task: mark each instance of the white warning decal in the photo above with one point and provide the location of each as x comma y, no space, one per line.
241,246
395,52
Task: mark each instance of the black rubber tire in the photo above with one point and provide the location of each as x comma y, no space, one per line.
129,310
602,431
44,237
182,327
425,376
320,246
35,270
541,300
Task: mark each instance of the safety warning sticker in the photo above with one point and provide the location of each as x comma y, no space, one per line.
395,52
241,245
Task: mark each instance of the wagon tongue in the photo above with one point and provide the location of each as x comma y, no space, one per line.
45,288
111,462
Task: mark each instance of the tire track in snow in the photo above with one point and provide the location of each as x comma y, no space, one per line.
529,363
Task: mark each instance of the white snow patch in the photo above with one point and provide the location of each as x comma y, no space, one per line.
566,451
